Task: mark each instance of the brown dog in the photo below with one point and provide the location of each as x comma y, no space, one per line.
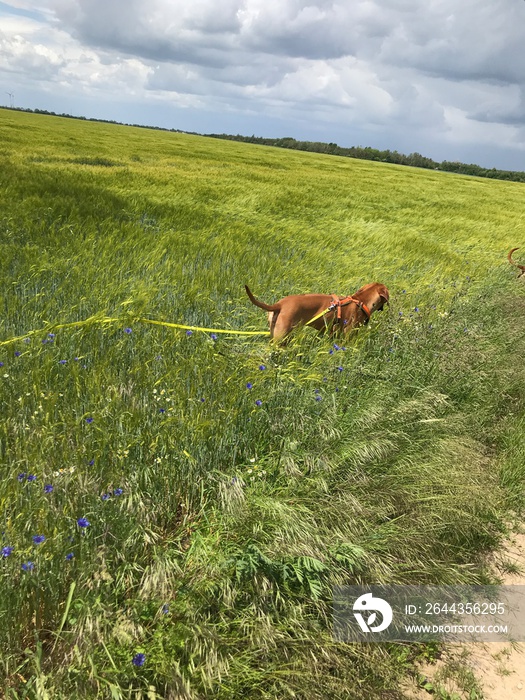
323,311
520,267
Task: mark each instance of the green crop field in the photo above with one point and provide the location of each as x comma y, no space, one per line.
177,506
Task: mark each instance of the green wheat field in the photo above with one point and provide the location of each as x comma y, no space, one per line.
176,507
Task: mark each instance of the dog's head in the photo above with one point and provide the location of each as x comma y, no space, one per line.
374,295
384,296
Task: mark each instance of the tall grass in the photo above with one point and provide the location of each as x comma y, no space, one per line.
228,485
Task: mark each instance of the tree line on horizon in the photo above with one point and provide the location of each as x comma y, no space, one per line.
415,160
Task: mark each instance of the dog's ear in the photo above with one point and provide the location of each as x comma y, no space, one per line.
384,293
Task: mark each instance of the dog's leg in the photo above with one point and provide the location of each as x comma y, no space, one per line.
272,320
281,325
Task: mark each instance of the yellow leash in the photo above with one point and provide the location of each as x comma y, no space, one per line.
59,326
109,320
200,328
318,316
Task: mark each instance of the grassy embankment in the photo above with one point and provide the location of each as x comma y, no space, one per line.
217,526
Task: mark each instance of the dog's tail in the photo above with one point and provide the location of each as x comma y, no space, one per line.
509,257
261,304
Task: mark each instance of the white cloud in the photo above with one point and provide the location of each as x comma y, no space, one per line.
463,130
24,51
45,54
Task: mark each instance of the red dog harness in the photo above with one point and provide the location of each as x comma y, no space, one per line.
338,303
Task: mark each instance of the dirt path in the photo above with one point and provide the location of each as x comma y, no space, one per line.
492,671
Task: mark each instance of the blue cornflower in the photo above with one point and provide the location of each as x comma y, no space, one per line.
162,410
213,336
38,539
27,340
51,335
17,353
262,367
21,476
127,330
83,522
62,362
106,496
416,308
249,385
139,659
28,566
318,398
48,488
187,333
69,556
340,369
118,492
258,402
6,551
91,462
165,608
1,364
31,477
317,391
89,420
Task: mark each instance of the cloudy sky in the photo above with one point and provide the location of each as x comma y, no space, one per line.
445,78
